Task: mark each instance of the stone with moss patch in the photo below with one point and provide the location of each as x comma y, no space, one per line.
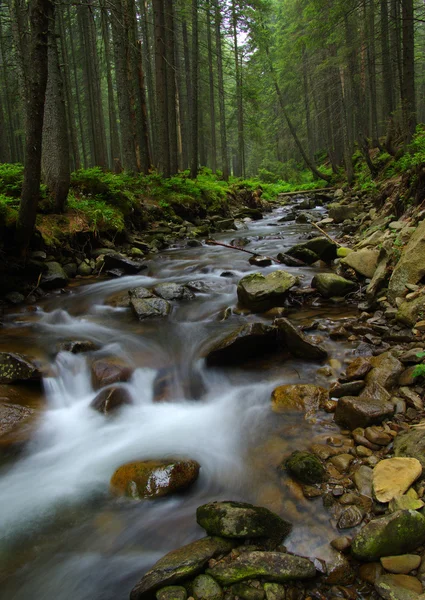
204,587
180,565
396,533
329,285
305,467
171,592
16,367
260,292
241,520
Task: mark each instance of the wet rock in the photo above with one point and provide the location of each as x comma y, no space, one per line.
329,285
70,270
386,370
107,372
396,533
123,263
148,308
154,478
207,287
140,293
393,477
290,261
171,592
342,462
370,572
411,444
357,369
247,592
338,570
402,564
377,436
398,587
273,566
410,268
54,276
370,408
180,565
342,544
110,400
204,587
14,298
249,341
297,343
260,261
77,346
12,415
241,520
305,467
351,388
301,252
260,293
363,480
173,291
84,269
274,591
364,262
321,247
410,357
412,398
408,376
17,368
173,382
306,398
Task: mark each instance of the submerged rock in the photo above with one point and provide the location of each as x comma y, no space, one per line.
396,533
260,292
110,400
54,276
241,520
249,341
307,398
329,285
305,467
147,308
273,566
154,478
16,368
297,343
180,565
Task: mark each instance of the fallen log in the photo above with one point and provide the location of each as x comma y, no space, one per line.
214,243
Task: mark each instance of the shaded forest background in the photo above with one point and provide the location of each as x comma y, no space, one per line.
262,88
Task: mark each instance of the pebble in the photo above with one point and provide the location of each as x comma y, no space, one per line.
377,436
370,572
363,452
401,564
342,543
350,517
342,462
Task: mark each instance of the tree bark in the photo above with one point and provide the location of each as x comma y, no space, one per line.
408,79
195,91
163,156
240,159
222,110
213,151
171,84
35,95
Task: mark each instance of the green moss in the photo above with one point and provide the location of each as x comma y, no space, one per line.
305,467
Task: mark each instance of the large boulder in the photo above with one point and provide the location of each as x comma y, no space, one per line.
249,341
110,400
180,565
411,266
410,311
305,467
241,520
173,291
17,368
370,408
273,566
117,261
206,588
148,308
54,276
395,533
297,343
363,261
329,285
392,477
154,478
340,212
15,425
108,371
411,444
386,370
260,292
300,397
320,247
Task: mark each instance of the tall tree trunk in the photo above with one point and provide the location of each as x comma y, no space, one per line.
195,90
371,63
307,105
114,140
408,79
221,105
8,105
213,152
240,159
387,74
163,155
171,84
35,95
77,90
147,58
183,101
55,147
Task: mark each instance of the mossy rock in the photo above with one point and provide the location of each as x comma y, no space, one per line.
260,292
397,533
241,520
305,467
302,253
329,285
171,592
343,252
204,587
154,478
17,368
300,397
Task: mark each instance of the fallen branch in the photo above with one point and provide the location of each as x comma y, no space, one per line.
214,243
33,290
304,192
325,234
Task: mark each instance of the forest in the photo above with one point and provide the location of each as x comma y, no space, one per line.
261,89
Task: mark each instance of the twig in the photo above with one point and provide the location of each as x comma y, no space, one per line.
325,234
214,243
38,283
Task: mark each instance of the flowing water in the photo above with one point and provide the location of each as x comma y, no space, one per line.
62,536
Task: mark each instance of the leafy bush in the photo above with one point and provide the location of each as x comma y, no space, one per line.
100,216
419,370
8,210
113,189
11,178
